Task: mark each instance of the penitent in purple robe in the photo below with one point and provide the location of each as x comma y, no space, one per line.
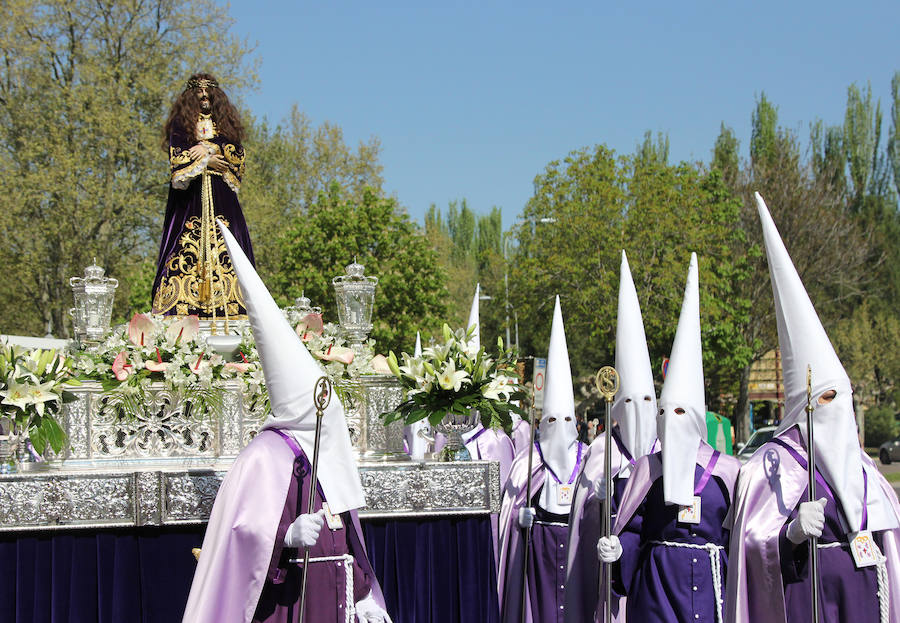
546,565
768,579
669,570
179,270
243,574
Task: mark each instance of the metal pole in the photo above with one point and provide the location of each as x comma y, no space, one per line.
607,383
321,397
811,457
527,549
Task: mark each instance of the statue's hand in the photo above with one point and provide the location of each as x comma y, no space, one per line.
216,163
198,151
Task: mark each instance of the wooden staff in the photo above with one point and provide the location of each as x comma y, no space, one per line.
527,551
607,382
321,398
811,457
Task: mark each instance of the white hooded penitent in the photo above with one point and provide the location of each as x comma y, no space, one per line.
291,374
634,407
803,343
682,404
559,436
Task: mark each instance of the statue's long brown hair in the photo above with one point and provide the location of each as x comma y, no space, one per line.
186,110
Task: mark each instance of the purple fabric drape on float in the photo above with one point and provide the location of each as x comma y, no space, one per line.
98,577
432,571
438,570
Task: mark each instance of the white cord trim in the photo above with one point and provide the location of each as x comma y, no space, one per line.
884,595
350,604
715,565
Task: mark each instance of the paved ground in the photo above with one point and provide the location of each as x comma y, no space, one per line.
893,468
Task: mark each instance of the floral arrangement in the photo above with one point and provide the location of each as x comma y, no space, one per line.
341,363
33,385
169,350
455,377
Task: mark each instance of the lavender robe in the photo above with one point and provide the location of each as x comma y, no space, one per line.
488,444
666,583
767,579
582,600
521,437
242,547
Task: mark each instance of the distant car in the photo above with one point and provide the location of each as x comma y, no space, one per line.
889,451
758,438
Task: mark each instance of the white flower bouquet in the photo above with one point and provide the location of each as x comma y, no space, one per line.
33,385
455,377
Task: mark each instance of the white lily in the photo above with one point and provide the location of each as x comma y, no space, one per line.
39,394
16,395
451,378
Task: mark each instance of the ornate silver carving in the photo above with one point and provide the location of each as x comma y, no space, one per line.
27,503
189,496
162,429
138,497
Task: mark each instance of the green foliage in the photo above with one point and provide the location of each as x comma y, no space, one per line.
763,134
658,214
470,248
881,425
725,156
862,134
340,227
288,166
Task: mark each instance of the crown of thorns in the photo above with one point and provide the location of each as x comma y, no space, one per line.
202,83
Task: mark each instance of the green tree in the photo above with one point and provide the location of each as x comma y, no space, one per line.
288,166
600,204
725,156
339,227
84,89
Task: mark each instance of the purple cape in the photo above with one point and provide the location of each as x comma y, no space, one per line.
241,545
772,484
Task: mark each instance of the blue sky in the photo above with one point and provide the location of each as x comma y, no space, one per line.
472,100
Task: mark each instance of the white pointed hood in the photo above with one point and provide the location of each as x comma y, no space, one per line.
557,428
681,433
291,374
634,407
803,343
473,319
416,444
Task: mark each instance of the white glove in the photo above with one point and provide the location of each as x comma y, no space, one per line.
526,517
304,532
809,522
609,549
368,611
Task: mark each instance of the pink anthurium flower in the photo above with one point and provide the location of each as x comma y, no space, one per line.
338,353
184,329
310,324
155,366
139,328
380,364
240,367
120,367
